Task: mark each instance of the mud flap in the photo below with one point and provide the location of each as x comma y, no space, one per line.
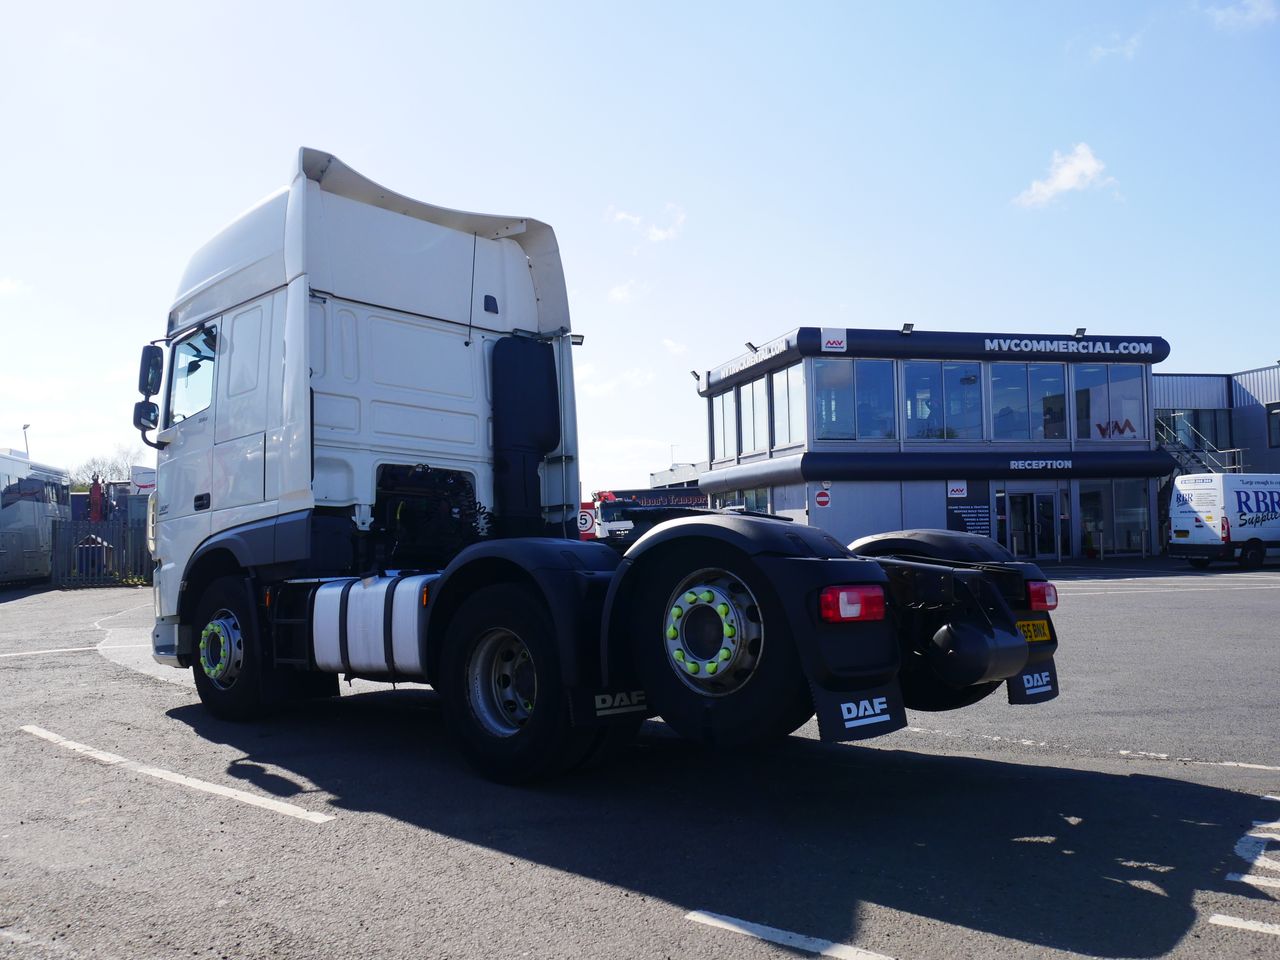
1035,684
859,714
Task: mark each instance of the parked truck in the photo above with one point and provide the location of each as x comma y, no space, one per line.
367,467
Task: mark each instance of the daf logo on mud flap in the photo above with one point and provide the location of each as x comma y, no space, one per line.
608,704
1037,682
859,713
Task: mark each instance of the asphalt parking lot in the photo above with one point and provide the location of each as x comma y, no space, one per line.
1136,816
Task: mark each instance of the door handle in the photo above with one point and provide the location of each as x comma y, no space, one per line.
201,501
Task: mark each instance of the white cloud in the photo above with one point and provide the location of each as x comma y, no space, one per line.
11,287
621,216
652,231
674,348
622,292
1125,49
589,386
1077,170
675,215
1243,15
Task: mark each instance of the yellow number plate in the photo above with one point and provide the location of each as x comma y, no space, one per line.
1182,533
1034,630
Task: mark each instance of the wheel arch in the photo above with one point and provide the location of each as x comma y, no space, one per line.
569,577
750,536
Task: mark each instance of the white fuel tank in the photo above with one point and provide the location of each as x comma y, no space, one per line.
371,626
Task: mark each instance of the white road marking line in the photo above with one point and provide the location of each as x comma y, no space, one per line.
785,938
1268,796
1127,754
1108,593
1256,926
266,803
40,653
1254,881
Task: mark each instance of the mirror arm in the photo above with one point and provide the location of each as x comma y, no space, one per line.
154,444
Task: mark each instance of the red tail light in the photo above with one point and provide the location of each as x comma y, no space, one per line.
1226,530
1042,595
847,604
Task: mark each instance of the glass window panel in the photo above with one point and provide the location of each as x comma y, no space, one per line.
731,424
873,383
833,399
1048,401
1092,408
1273,424
781,410
1010,418
1131,515
192,389
748,422
1126,401
717,428
760,413
922,398
798,402
963,391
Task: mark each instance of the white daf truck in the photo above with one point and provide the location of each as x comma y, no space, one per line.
367,468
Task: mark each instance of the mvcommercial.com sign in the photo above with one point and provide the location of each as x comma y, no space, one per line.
1027,345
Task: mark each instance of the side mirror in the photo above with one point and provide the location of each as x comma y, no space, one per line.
150,371
146,415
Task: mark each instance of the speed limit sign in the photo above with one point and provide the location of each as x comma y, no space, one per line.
585,521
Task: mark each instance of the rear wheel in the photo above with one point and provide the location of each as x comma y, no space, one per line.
501,688
1252,555
714,650
1200,563
228,669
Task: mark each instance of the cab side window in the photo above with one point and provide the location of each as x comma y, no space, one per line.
191,388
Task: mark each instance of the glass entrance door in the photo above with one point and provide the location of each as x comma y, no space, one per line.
1046,526
1033,525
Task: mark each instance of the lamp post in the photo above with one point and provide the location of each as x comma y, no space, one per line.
24,439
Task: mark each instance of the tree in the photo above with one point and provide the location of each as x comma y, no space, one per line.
108,467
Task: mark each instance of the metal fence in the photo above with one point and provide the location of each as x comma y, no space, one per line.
107,554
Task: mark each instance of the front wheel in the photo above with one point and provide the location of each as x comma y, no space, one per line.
714,649
501,688
228,669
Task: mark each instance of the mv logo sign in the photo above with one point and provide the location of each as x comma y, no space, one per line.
859,713
833,340
1116,429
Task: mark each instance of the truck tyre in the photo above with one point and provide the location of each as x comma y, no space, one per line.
1200,563
228,668
714,650
501,688
1252,555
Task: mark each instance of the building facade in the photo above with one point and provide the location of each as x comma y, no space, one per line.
1047,444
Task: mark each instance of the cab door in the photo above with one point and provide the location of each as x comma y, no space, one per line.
184,464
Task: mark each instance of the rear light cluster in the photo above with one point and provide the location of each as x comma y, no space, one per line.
1042,595
1226,529
849,604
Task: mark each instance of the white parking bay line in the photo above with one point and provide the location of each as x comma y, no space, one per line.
1257,926
785,938
111,759
1253,880
40,653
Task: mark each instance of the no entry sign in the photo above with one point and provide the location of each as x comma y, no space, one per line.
823,498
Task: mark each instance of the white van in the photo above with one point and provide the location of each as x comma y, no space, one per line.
1225,516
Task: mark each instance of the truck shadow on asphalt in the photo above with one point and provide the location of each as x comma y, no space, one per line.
798,837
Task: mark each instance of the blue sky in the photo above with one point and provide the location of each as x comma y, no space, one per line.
715,172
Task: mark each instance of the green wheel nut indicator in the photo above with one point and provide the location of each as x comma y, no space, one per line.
677,612
706,596
728,630
722,609
679,655
672,633
691,667
691,597
724,654
711,667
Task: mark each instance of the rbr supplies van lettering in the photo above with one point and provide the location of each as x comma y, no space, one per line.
1225,516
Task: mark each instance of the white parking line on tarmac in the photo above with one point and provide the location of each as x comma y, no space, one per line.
40,653
111,759
1107,593
1257,926
1254,881
785,938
